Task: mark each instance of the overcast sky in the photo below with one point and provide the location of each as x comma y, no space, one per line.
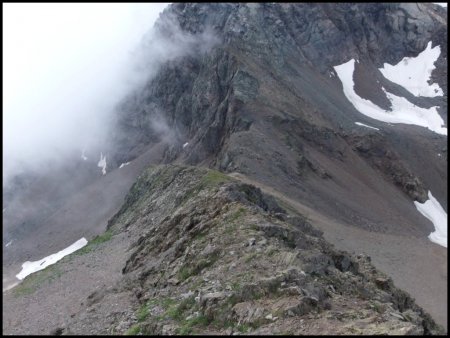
65,66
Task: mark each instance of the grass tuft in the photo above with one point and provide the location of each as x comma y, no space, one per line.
94,243
32,282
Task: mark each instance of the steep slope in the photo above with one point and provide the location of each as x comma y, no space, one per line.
49,214
195,251
264,103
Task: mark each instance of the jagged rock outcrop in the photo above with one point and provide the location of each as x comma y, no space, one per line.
209,255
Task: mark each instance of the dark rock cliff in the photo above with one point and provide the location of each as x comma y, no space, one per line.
264,101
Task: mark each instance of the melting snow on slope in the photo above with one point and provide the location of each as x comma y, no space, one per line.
432,210
9,243
402,110
406,110
31,267
414,73
102,163
185,145
365,125
124,164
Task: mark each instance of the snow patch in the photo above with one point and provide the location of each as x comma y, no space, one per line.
365,125
402,111
102,163
9,243
408,111
432,210
83,157
185,145
31,267
413,73
443,4
124,164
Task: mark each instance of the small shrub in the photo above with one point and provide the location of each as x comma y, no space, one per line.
184,273
134,330
176,312
188,325
243,328
143,312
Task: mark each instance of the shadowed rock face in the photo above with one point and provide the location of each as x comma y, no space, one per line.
265,102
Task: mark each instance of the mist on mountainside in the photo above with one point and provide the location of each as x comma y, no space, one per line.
66,67
62,88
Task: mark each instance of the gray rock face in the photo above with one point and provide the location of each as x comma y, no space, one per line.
263,102
322,34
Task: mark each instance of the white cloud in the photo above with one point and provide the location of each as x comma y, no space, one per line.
65,66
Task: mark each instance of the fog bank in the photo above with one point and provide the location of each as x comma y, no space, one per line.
65,67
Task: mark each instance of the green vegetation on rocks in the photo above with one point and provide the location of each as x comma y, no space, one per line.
32,282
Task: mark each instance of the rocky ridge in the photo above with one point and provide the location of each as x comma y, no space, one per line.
210,255
262,102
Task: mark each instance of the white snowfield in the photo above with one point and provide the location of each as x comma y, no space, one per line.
124,164
102,163
413,73
402,111
432,210
365,125
406,110
31,267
